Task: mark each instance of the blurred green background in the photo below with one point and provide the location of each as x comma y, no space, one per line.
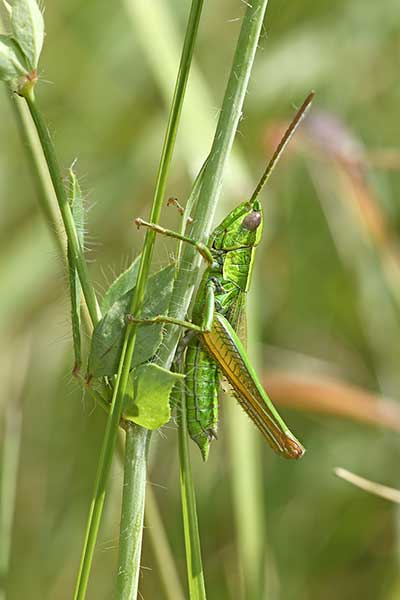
325,305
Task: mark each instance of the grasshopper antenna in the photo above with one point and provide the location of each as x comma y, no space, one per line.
287,136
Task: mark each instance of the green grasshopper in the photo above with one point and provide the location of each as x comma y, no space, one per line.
219,321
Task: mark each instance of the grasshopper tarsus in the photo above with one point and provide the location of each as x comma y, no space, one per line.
173,201
138,222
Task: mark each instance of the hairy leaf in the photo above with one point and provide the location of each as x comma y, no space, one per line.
108,334
123,283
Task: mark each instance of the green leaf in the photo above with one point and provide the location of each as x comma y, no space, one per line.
107,336
28,29
147,396
11,60
125,281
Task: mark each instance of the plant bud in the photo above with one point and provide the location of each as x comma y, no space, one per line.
20,51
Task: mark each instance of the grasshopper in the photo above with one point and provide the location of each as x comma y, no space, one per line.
218,319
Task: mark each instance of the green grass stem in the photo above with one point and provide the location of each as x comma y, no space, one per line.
44,188
10,451
113,421
203,214
132,513
155,531
194,564
65,210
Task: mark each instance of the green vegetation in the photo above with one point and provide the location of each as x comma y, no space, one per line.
324,312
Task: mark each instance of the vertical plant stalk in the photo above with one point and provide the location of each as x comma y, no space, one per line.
203,216
204,210
155,531
110,435
194,565
47,200
249,510
44,187
8,483
132,512
45,191
10,451
65,210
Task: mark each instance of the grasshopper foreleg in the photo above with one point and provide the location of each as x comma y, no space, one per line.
205,327
165,319
201,248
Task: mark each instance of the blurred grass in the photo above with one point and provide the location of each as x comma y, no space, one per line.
322,309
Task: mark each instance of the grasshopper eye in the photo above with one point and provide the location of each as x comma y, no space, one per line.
252,221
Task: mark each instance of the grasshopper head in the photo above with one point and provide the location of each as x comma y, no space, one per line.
242,228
